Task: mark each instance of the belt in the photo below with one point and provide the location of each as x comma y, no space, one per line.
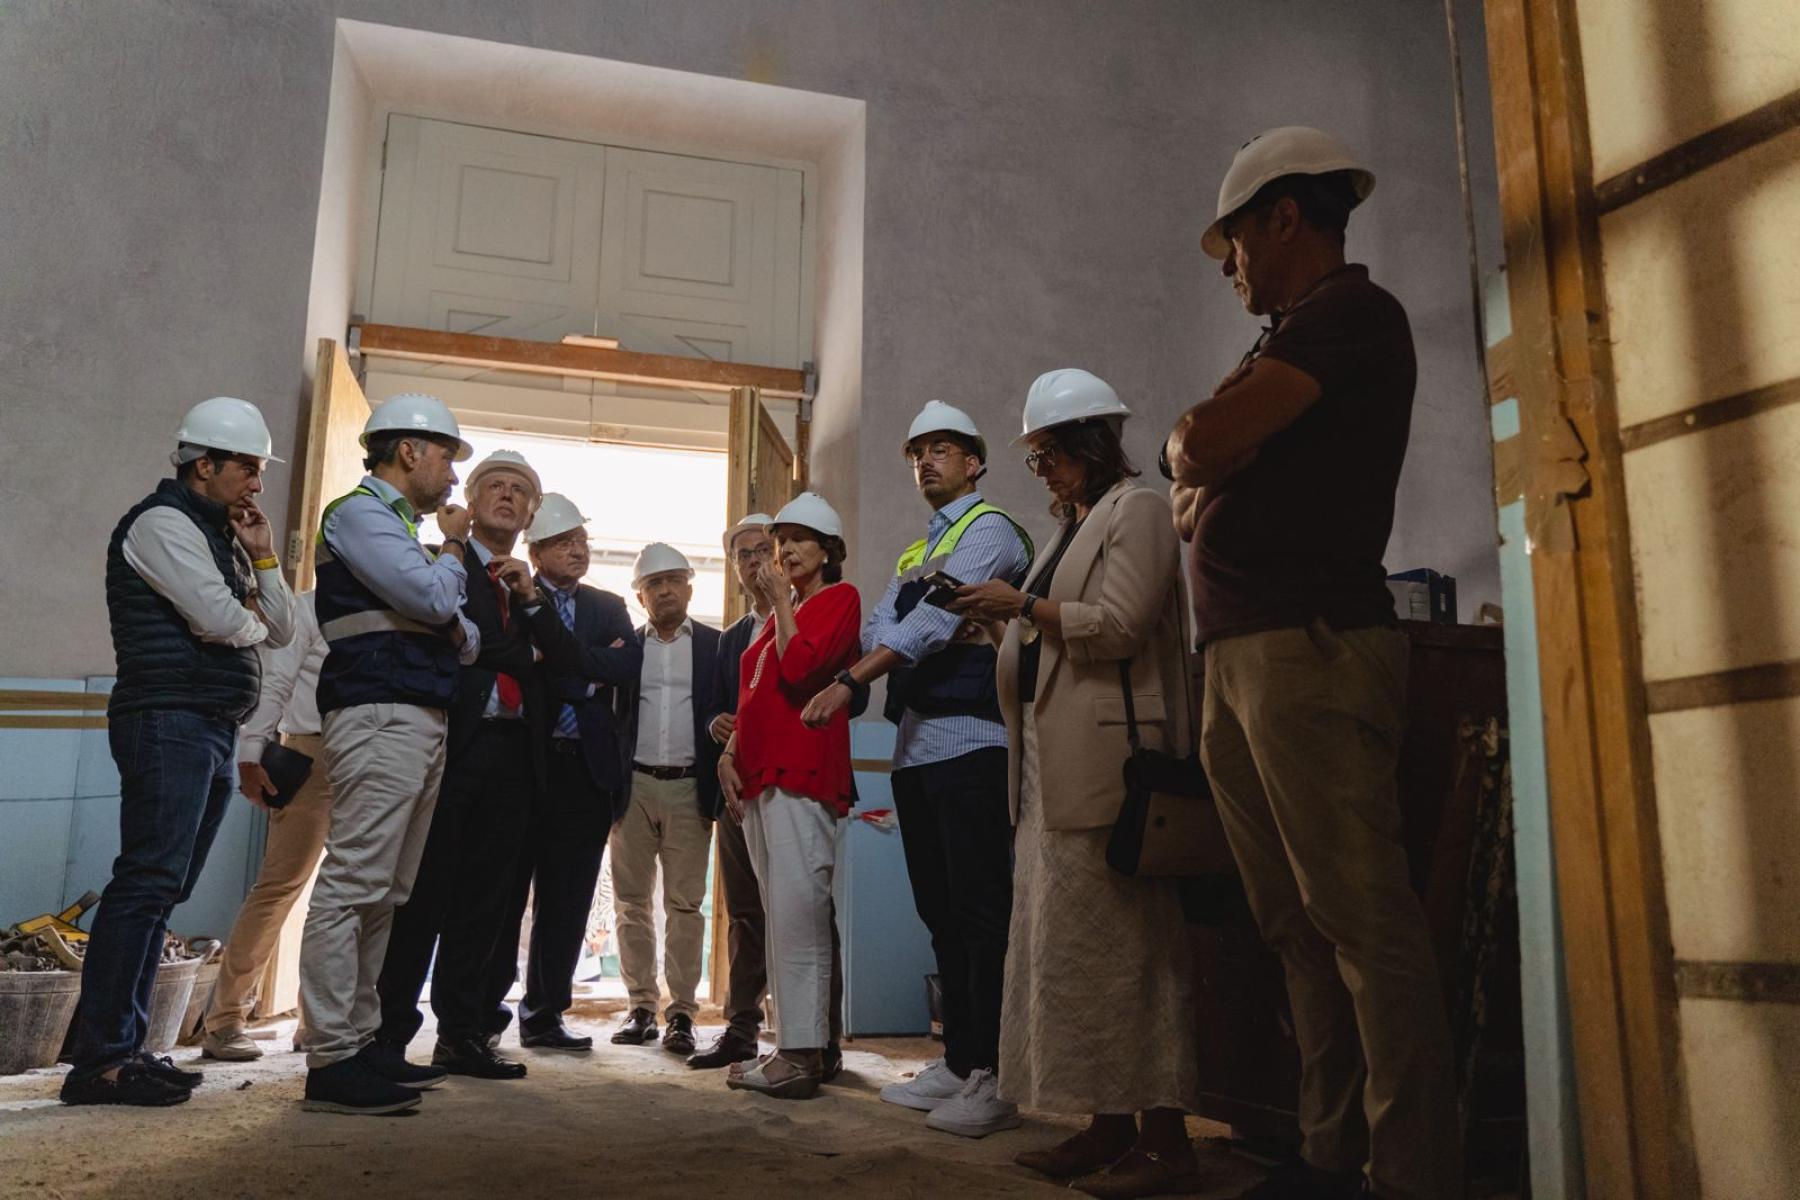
564,745
666,773
509,724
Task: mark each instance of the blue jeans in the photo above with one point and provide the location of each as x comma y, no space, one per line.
176,776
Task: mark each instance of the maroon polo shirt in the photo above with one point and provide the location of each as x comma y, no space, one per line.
1300,533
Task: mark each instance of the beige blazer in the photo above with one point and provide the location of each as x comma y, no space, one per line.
1121,593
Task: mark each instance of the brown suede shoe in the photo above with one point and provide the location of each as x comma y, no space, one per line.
1145,1173
1080,1155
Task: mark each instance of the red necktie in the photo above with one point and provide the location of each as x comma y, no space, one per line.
511,698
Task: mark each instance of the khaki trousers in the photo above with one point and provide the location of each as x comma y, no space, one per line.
1301,738
290,856
384,763
663,825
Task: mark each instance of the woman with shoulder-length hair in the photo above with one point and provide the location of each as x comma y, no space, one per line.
1098,1017
790,784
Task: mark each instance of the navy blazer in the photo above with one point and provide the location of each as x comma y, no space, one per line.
583,668
707,705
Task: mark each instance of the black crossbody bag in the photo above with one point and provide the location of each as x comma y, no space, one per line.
1168,824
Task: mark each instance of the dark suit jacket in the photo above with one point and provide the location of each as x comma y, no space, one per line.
597,666
706,706
507,649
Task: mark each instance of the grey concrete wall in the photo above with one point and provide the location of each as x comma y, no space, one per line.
1038,172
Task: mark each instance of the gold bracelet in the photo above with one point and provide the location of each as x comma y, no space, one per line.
265,564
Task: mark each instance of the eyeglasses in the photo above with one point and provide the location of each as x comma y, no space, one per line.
766,550
936,452
1040,458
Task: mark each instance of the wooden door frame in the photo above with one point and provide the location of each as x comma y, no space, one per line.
1636,1139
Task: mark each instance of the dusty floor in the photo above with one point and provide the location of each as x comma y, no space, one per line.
626,1120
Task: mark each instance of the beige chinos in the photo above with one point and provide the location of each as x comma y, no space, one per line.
1301,740
291,853
384,763
662,825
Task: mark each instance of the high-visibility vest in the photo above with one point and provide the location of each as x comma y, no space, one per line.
376,655
958,680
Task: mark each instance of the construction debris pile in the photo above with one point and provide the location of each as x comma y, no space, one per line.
53,942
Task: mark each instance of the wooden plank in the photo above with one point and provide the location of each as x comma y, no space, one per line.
1749,982
8,721
16,701
577,361
1713,413
332,462
1635,1138
1744,685
1696,154
1500,371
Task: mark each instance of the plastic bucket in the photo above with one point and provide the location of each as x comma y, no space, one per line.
35,1010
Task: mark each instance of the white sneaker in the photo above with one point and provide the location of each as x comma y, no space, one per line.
931,1087
230,1047
977,1110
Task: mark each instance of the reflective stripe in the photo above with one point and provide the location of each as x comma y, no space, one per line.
374,621
914,555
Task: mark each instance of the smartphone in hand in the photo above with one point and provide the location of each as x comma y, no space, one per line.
943,589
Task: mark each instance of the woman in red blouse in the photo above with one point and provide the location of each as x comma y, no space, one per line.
790,784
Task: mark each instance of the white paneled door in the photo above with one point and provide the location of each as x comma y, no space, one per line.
519,235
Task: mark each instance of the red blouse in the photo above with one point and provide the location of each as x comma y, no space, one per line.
773,748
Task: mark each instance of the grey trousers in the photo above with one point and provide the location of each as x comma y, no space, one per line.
385,763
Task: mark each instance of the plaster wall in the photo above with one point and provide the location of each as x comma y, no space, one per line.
1703,306
1036,176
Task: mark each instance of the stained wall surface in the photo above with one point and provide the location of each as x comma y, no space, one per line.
1703,306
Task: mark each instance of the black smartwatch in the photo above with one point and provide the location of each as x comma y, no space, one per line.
848,680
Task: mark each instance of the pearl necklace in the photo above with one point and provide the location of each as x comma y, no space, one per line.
756,675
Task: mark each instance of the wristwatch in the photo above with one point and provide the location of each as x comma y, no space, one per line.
1162,463
850,681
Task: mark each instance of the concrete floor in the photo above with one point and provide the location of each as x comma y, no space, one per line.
626,1120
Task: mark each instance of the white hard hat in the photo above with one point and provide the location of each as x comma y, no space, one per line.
1289,150
1068,395
556,514
656,558
506,460
750,521
415,412
938,417
224,423
814,512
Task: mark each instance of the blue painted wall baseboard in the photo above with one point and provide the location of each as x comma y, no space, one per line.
59,822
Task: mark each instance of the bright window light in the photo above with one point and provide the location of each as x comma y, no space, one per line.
631,496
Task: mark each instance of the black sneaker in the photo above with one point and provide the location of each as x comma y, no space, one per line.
164,1068
352,1086
680,1037
390,1063
133,1085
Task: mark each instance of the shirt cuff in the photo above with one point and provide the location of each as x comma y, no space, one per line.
899,646
250,747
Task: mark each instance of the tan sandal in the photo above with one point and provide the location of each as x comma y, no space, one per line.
787,1080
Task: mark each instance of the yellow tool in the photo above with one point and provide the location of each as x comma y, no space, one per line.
62,922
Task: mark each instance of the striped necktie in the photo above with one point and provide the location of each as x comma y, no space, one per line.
565,608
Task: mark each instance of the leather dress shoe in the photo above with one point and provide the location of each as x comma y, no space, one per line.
555,1038
729,1048
680,1037
472,1057
639,1027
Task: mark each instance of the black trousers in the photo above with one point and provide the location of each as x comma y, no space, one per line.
564,843
957,834
459,901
